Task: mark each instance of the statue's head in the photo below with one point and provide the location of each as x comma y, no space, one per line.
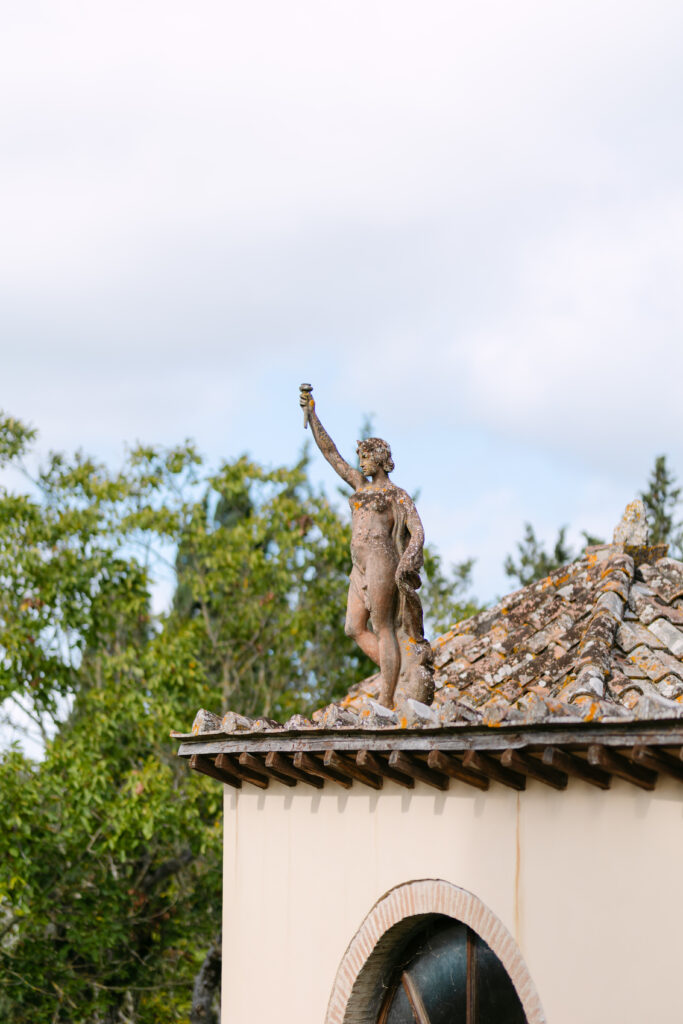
373,450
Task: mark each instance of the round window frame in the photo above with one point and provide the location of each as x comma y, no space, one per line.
357,988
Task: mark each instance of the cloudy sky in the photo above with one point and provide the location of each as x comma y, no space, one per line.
463,217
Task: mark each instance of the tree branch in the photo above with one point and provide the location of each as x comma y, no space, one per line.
168,868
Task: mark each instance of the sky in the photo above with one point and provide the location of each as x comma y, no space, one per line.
463,218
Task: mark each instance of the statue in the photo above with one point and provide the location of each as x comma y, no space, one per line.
387,538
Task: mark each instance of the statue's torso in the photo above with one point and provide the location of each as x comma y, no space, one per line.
373,517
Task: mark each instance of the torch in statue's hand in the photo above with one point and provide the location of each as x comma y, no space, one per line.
305,400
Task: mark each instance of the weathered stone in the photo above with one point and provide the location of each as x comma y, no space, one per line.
334,717
205,721
667,588
232,722
596,656
632,634
588,683
586,707
265,725
494,710
454,712
648,554
375,715
533,707
413,714
592,679
655,664
653,704
619,583
669,635
632,530
611,602
299,722
363,691
670,566
671,686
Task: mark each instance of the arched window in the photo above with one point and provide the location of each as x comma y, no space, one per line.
444,973
445,948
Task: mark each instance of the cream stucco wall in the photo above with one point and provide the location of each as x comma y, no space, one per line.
589,883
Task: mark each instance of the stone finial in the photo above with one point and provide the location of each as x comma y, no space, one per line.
632,531
631,535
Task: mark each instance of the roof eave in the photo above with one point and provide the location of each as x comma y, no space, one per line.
637,751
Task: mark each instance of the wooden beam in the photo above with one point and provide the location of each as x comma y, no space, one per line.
522,762
309,763
283,765
206,766
417,770
378,765
577,767
228,764
493,769
346,765
449,765
658,761
256,766
618,765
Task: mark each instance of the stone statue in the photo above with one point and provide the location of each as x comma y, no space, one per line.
386,552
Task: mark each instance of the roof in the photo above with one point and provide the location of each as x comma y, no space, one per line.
597,643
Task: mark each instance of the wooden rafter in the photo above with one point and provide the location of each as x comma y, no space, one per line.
615,764
449,765
310,764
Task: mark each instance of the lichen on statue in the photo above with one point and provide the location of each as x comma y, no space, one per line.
383,613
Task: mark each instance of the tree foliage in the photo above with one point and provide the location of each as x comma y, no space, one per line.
534,561
110,852
662,501
444,595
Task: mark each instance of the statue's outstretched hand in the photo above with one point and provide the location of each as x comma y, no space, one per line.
306,400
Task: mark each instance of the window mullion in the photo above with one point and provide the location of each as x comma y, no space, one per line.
472,1013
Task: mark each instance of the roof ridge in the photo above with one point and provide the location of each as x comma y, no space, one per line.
594,653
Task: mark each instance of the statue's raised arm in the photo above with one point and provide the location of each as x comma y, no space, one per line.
353,477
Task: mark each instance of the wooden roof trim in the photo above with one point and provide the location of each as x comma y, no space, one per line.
509,758
551,766
529,738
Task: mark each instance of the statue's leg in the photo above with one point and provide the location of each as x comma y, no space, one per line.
382,596
357,617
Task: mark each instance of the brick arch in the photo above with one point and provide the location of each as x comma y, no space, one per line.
358,986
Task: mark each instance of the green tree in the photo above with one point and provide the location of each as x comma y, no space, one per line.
444,595
110,851
662,502
534,561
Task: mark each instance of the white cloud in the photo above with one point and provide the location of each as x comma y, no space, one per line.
464,217
588,359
